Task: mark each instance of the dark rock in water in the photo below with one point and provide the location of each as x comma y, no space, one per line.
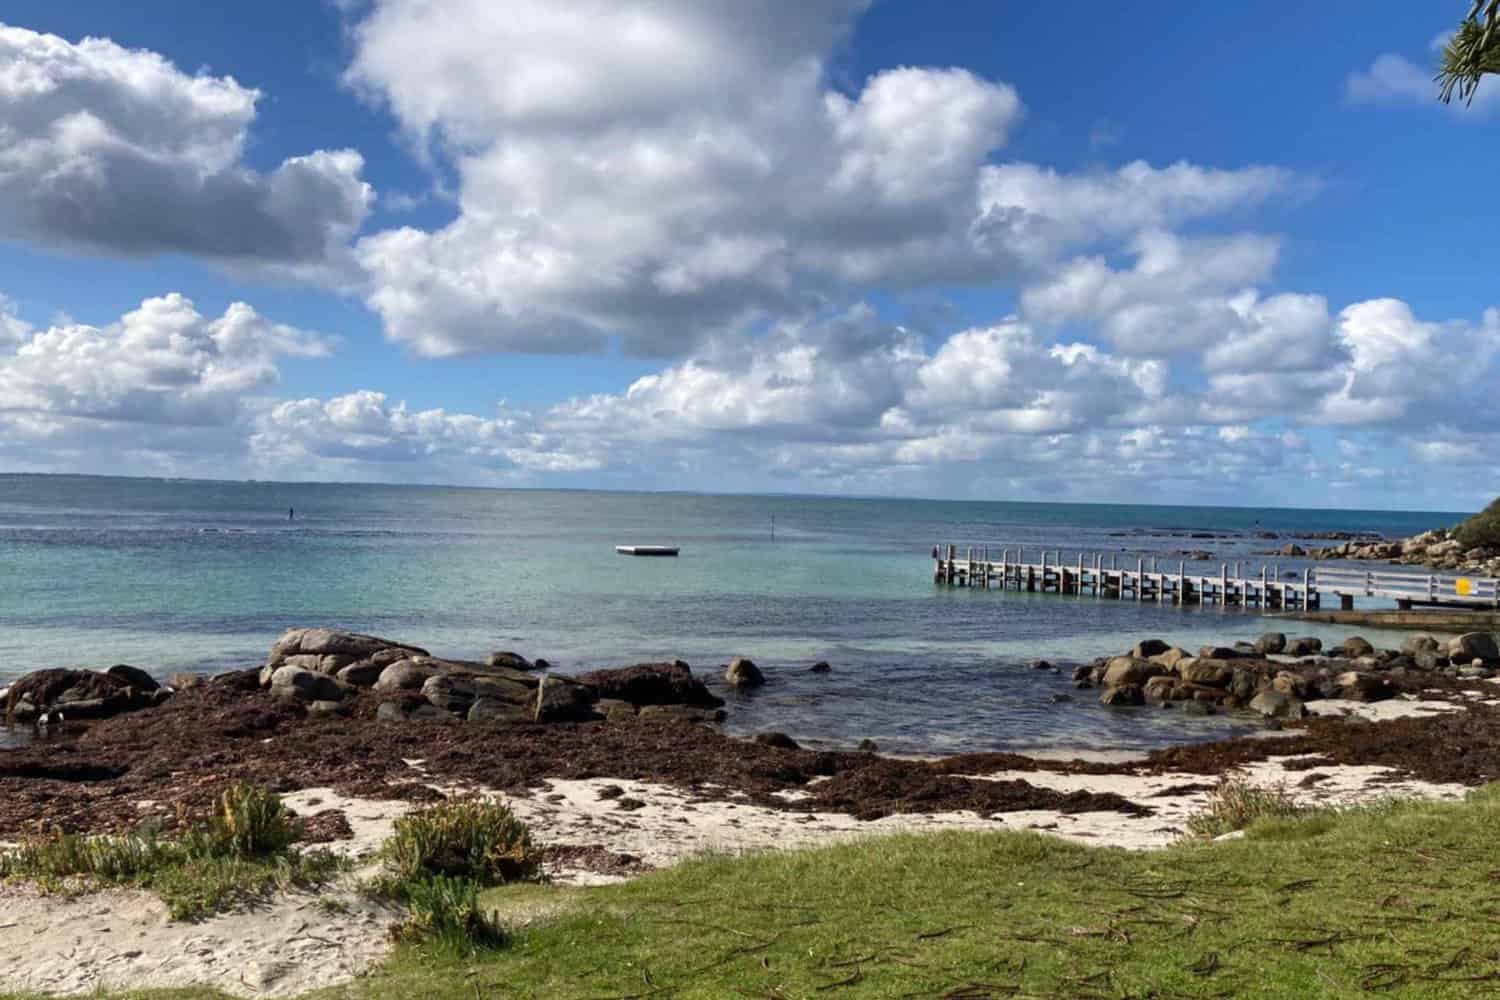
652,684
561,699
1278,705
743,673
868,746
133,677
1123,694
1083,675
74,694
1271,642
1041,665
505,658
1160,688
1304,646
821,667
540,664
686,713
1196,707
1059,698
1206,672
1357,646
781,740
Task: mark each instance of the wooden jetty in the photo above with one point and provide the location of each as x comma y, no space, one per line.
1235,585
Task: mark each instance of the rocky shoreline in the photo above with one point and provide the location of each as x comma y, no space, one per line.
1440,550
376,718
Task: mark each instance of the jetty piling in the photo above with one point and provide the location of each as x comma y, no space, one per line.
1267,589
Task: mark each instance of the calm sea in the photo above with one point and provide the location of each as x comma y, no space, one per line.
173,575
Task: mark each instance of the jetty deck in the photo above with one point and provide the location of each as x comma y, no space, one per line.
1237,584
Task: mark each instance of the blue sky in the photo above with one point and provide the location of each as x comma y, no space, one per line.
1200,252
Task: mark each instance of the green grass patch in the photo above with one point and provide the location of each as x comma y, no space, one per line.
1236,804
1398,899
437,860
1395,900
240,854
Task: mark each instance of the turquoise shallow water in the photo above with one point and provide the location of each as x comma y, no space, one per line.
173,575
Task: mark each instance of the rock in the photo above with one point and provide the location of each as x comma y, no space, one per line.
1127,670
821,667
561,699
328,708
1243,684
1278,705
505,658
1215,673
133,677
1430,660
1270,643
1356,646
686,713
1221,653
1083,675
743,673
1041,665
1287,682
1171,657
457,692
1196,707
1147,648
331,642
409,710
1057,698
78,694
868,746
1293,550
300,684
1473,646
1356,685
615,710
404,675
779,740
1304,646
1124,694
495,710
361,674
651,684
1420,643
1159,688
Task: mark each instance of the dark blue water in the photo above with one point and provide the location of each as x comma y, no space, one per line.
174,575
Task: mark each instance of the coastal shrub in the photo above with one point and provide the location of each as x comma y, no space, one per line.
1235,803
445,912
1481,530
243,852
469,838
248,822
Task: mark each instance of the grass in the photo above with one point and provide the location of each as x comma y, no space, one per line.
1399,900
437,860
1236,804
241,853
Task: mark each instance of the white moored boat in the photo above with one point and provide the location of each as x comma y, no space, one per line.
646,550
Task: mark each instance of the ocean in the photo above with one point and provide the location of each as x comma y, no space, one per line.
194,575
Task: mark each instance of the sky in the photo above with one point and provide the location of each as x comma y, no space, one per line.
1134,252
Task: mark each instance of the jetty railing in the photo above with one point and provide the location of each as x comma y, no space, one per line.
1236,584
